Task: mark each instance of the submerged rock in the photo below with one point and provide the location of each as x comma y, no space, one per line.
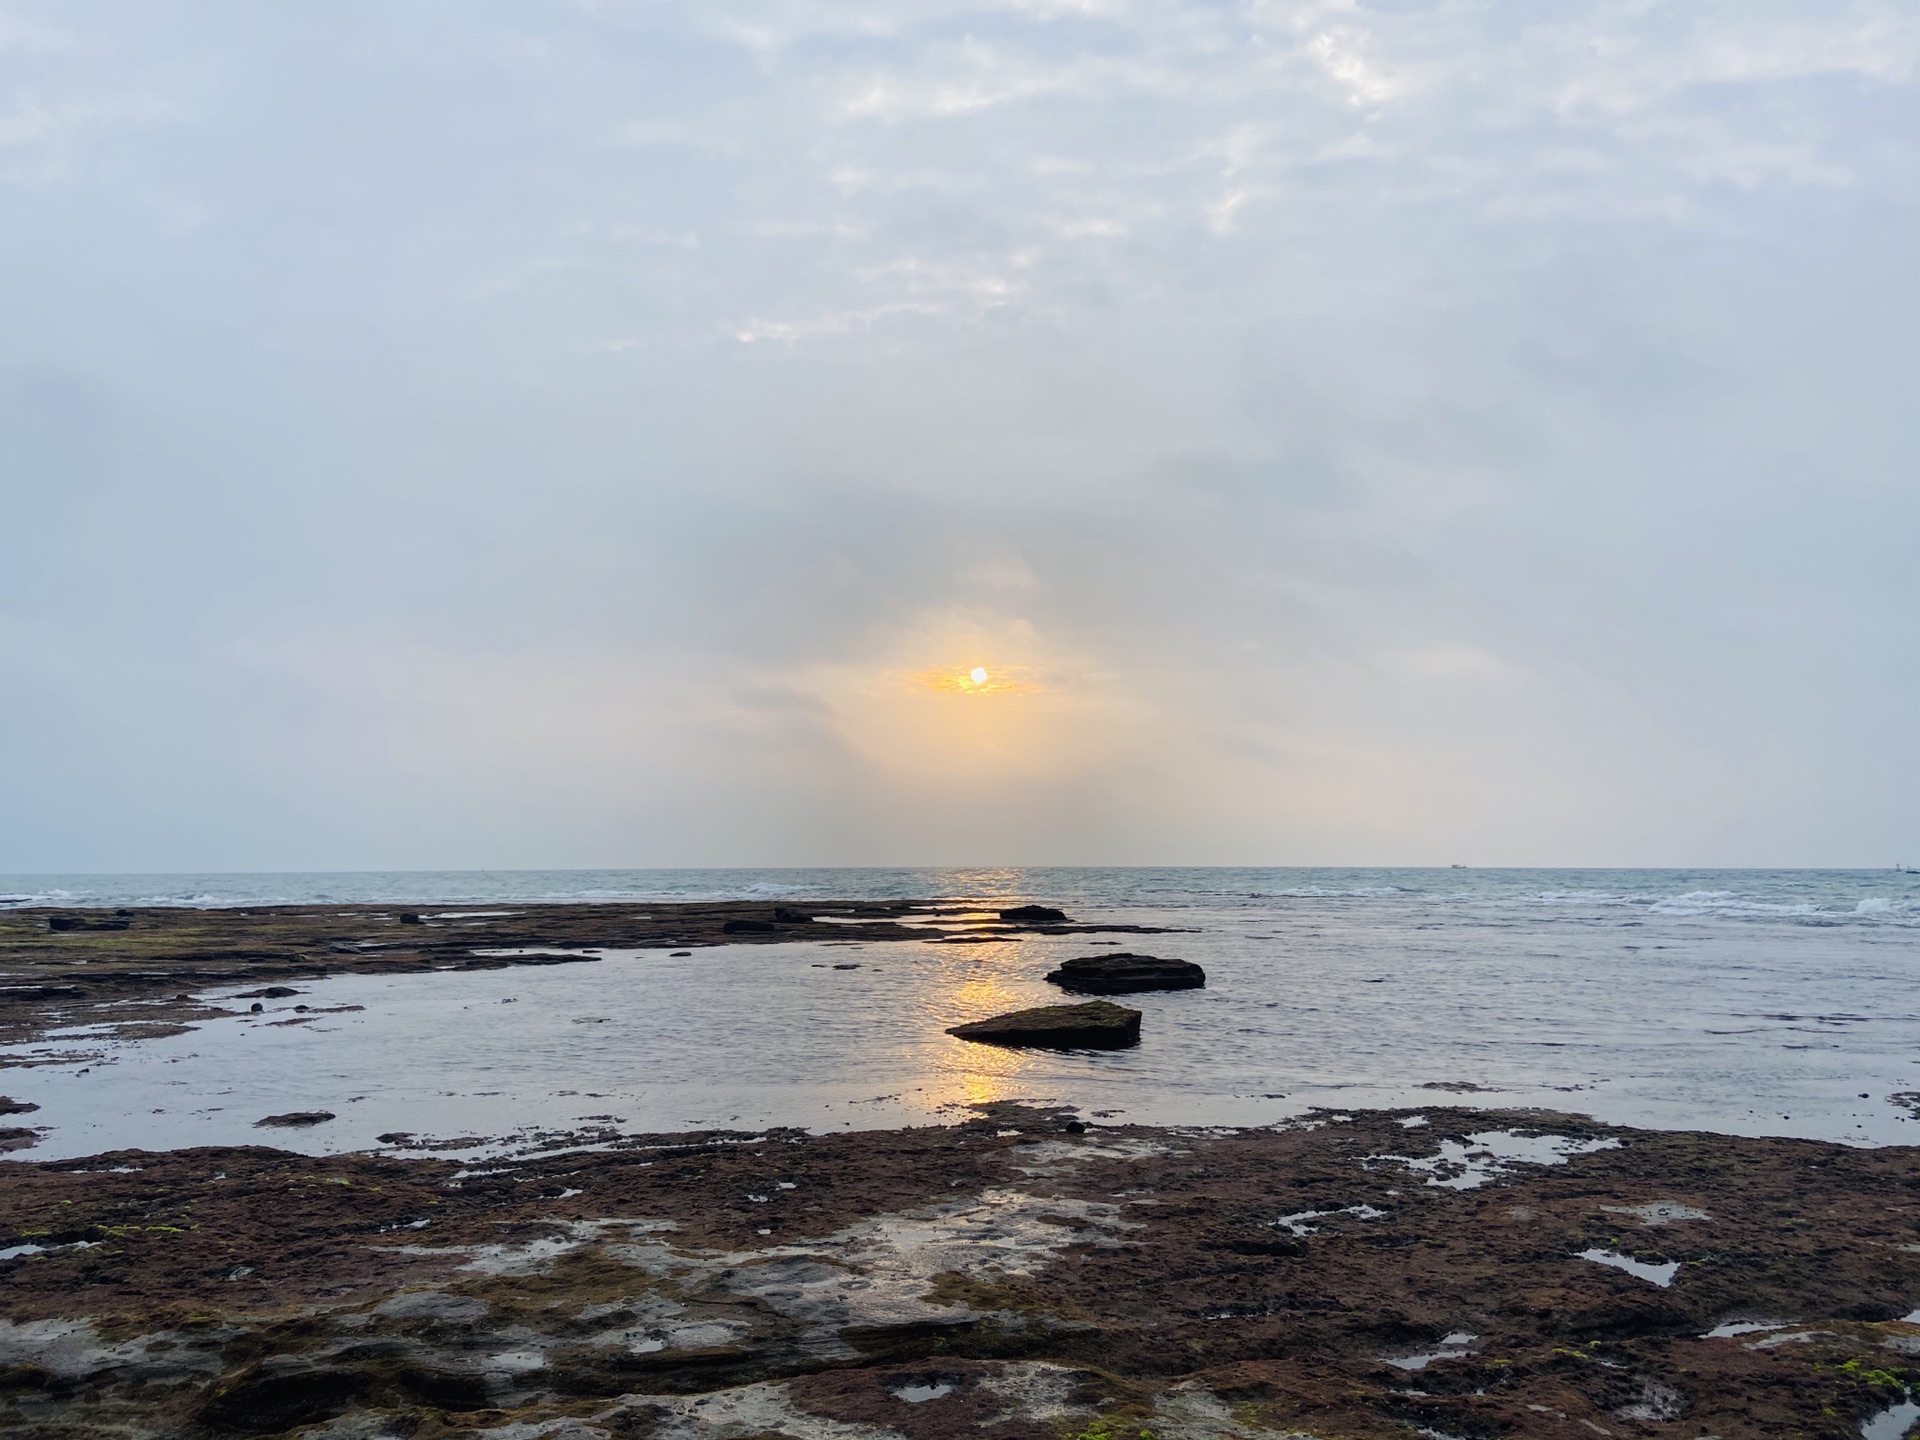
1122,973
1035,915
1096,1025
745,927
295,1119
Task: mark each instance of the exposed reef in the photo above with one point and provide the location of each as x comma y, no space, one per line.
1123,973
1096,1025
137,974
1381,1274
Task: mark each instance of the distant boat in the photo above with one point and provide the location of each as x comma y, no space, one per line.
1457,866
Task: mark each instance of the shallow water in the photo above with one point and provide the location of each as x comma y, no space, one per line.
1744,1002
1893,1423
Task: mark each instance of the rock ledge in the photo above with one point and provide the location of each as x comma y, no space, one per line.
1096,1025
1123,973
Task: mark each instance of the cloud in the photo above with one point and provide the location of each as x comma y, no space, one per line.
1411,432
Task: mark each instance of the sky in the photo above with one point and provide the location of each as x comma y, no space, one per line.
449,433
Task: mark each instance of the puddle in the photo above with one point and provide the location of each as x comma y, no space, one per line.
1727,1329
1891,1423
1658,1212
1661,1275
920,1394
1470,1163
1797,1337
17,1252
1297,1224
1452,1347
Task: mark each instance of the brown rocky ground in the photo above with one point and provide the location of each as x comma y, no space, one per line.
1009,1278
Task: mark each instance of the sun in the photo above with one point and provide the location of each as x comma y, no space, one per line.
976,680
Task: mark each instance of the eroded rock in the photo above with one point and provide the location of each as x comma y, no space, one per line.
1096,1025
1124,973
1034,915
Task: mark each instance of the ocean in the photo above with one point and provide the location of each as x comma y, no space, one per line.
1746,1002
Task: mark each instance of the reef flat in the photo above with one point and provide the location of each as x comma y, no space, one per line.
138,973
1019,1276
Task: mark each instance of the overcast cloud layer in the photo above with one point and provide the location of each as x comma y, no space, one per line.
472,434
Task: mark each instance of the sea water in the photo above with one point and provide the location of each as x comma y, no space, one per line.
1759,1003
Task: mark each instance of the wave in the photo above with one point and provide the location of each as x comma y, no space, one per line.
1318,892
1726,902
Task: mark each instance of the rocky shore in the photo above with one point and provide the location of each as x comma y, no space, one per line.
136,974
1028,1274
1021,1276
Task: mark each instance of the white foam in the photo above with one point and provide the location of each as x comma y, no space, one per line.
1726,902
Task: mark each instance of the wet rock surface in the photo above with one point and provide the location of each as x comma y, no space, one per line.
1124,973
1034,915
1354,1276
1096,1025
294,1120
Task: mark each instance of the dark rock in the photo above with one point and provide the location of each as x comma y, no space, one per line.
296,1119
81,922
1277,1245
18,1139
10,1106
279,1393
788,916
278,992
1035,915
407,917
1096,1025
1075,1127
1122,973
743,927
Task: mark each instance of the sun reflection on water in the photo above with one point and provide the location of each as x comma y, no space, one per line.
960,1073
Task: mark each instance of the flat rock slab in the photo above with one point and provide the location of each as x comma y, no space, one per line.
1035,915
1122,974
1096,1025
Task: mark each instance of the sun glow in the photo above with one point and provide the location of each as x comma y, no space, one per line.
978,680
